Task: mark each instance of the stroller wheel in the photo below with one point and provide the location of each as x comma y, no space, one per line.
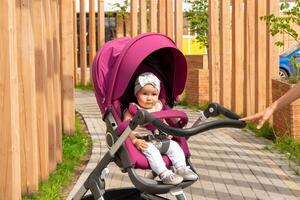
88,197
119,194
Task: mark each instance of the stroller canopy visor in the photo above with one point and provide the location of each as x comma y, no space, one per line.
117,60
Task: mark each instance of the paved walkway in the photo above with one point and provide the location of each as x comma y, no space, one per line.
232,164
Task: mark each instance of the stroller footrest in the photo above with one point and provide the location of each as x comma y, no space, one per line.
153,186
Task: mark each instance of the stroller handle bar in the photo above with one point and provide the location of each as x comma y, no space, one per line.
215,109
143,117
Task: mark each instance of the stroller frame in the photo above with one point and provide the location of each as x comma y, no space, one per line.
96,180
115,67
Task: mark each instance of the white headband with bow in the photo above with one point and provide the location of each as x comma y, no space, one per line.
145,79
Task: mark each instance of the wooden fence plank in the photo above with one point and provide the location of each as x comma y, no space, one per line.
10,180
214,51
169,18
143,16
75,42
82,42
57,78
92,36
133,17
261,36
67,66
162,16
27,97
50,87
250,57
238,55
225,55
178,23
39,29
272,52
101,24
153,15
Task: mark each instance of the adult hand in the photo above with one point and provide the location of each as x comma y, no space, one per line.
261,117
140,144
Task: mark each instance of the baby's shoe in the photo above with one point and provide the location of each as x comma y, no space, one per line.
186,173
171,178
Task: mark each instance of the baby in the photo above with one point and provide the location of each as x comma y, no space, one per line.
146,90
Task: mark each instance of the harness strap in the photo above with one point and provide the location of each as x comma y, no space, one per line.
157,137
162,144
167,114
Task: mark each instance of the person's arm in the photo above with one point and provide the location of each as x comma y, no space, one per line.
138,143
287,98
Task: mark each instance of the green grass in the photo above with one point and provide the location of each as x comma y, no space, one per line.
183,102
290,147
284,144
87,87
266,131
293,80
74,149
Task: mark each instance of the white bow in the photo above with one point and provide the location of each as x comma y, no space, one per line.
146,78
149,78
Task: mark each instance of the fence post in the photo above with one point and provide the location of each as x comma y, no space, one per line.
272,52
169,19
82,42
92,36
133,17
260,64
214,51
101,24
143,16
27,98
75,42
10,180
238,55
67,66
225,54
39,29
50,88
250,57
57,78
153,15
178,23
162,16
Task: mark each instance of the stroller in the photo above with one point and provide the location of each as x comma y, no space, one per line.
115,68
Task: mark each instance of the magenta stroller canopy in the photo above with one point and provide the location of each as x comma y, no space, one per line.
117,60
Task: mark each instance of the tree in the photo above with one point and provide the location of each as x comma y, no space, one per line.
123,13
198,19
283,24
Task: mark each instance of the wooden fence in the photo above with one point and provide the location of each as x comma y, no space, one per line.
36,91
242,55
38,55
165,16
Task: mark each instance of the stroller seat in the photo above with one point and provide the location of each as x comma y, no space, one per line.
116,66
138,160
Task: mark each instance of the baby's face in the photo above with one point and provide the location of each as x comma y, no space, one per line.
147,97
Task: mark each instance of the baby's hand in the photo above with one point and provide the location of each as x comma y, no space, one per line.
140,144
